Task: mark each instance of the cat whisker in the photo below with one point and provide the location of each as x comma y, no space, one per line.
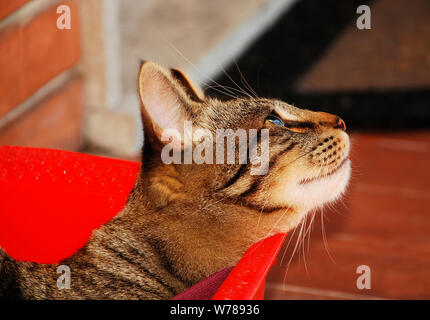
325,237
244,81
232,95
261,213
311,229
284,254
274,225
231,89
307,234
298,157
292,256
294,252
228,92
307,231
302,244
234,82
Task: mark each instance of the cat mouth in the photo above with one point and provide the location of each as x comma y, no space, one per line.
339,167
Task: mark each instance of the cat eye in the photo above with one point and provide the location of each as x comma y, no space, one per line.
273,118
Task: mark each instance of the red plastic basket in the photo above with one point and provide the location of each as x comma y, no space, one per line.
51,200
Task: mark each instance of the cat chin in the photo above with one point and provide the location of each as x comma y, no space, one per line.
317,193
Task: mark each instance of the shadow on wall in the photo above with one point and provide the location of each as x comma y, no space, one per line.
315,57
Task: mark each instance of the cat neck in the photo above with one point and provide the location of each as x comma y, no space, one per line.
198,236
200,233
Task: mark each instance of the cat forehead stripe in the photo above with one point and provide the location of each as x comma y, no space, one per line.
285,115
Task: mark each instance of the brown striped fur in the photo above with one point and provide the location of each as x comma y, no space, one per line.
183,222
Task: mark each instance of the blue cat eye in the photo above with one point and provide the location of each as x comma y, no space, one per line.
274,119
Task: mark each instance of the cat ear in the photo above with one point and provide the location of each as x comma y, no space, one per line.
193,91
167,98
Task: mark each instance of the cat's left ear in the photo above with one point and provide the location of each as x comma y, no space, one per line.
168,100
193,91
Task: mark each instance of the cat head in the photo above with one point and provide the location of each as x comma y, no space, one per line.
290,158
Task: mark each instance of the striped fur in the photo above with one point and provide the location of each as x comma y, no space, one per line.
183,222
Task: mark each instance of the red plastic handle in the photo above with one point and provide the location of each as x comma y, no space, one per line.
246,281
51,200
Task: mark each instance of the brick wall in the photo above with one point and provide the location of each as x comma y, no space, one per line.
41,98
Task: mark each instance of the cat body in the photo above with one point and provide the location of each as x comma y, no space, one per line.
183,222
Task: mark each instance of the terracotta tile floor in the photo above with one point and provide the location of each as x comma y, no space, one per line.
383,222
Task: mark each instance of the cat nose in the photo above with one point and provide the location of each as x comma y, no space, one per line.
330,120
339,124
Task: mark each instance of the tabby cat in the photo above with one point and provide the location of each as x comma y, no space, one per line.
183,222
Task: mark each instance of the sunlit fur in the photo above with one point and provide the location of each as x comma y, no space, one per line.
308,166
183,222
